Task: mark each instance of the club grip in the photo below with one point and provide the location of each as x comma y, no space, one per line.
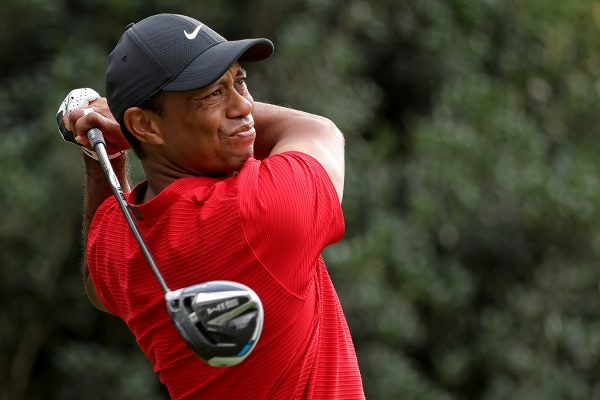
95,137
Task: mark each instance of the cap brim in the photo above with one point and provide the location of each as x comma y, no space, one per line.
212,64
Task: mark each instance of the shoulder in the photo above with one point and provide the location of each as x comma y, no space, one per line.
290,166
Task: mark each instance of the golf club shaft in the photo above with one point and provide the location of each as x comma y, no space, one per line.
97,141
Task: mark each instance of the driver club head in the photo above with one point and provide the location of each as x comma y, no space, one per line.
221,321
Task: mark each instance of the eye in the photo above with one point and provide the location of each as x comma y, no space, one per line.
215,93
240,83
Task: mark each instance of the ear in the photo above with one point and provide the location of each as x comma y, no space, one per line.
143,124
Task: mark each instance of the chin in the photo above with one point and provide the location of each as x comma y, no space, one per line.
242,160
235,164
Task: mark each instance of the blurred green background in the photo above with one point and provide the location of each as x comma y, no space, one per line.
470,267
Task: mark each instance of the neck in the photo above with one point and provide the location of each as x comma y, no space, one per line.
159,177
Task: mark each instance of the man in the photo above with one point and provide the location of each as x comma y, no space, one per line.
234,190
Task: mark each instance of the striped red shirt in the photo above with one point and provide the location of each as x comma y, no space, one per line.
265,227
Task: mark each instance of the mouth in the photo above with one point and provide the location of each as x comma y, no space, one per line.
244,131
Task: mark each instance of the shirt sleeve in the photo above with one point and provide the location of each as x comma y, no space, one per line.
290,212
96,254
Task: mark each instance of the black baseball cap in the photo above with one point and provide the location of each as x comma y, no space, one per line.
171,52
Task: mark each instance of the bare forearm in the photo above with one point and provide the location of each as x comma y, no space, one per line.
275,123
97,188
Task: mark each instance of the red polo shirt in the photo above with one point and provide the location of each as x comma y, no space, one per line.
265,227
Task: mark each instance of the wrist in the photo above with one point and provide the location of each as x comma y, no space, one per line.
119,163
96,176
93,155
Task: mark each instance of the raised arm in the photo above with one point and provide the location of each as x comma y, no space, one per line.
281,129
97,188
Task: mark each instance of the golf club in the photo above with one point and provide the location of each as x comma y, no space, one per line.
221,321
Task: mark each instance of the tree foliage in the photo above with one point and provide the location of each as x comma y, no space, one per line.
470,264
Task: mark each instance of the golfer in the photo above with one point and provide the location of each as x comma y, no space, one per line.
234,190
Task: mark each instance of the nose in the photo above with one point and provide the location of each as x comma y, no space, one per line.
240,105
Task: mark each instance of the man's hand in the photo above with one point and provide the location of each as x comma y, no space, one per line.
97,115
84,109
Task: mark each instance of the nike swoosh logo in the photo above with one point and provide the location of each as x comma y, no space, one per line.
193,35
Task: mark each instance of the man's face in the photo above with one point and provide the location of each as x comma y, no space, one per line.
209,131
